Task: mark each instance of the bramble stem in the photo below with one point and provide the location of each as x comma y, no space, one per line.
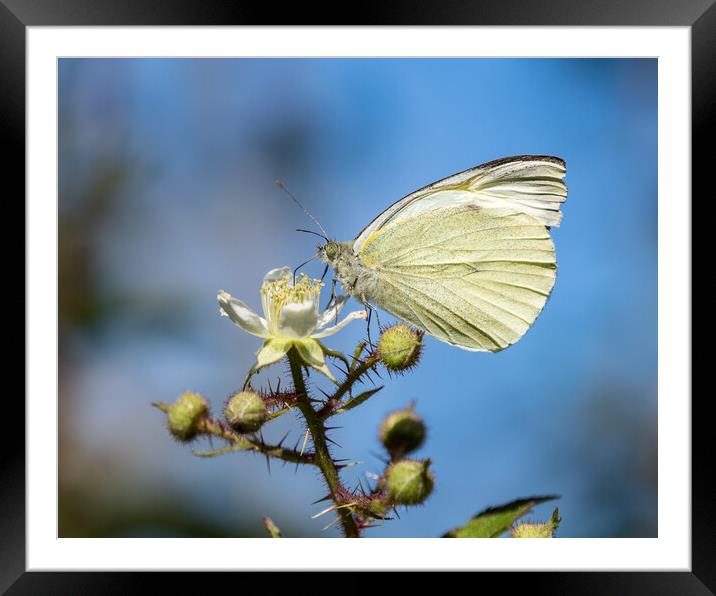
335,400
322,455
241,442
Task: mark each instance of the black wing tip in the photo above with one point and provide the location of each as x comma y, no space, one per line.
503,160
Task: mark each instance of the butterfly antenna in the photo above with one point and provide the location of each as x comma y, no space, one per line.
282,186
312,232
301,265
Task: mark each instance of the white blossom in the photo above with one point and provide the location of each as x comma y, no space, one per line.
291,318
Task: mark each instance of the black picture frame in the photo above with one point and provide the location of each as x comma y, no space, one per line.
17,15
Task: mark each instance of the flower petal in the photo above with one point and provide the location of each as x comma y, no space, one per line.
242,315
272,351
298,319
276,274
311,353
332,311
356,314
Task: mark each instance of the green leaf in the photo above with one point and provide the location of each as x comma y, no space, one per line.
356,401
494,521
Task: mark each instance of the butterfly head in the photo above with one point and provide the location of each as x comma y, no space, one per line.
329,251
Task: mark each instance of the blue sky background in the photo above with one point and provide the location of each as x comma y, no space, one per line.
167,195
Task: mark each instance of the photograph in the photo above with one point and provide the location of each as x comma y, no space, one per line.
360,297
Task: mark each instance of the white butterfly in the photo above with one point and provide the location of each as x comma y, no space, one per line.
467,259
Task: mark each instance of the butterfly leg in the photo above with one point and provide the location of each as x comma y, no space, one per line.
333,295
371,308
370,341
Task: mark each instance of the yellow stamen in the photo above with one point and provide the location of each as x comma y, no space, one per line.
277,293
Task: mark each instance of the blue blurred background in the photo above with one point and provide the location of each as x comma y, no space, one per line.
167,195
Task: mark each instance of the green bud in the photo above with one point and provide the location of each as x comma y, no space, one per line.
399,347
538,530
402,432
378,508
185,415
409,481
246,412
527,530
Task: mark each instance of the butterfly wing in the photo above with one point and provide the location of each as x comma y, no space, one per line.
474,277
531,184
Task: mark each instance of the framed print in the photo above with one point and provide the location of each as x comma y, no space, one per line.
237,329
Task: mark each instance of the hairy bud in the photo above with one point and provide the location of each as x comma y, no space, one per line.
402,432
527,530
538,530
409,481
185,415
245,412
399,347
378,508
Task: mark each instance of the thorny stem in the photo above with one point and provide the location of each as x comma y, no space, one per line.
357,372
322,455
252,444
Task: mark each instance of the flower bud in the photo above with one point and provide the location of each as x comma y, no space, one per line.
527,530
378,508
402,432
185,415
399,347
409,481
538,530
246,411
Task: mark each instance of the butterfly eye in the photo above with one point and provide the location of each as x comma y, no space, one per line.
331,250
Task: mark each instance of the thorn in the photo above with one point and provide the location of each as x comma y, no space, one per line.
338,366
379,456
332,427
353,463
346,505
332,441
305,440
328,496
268,464
331,524
280,443
324,511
